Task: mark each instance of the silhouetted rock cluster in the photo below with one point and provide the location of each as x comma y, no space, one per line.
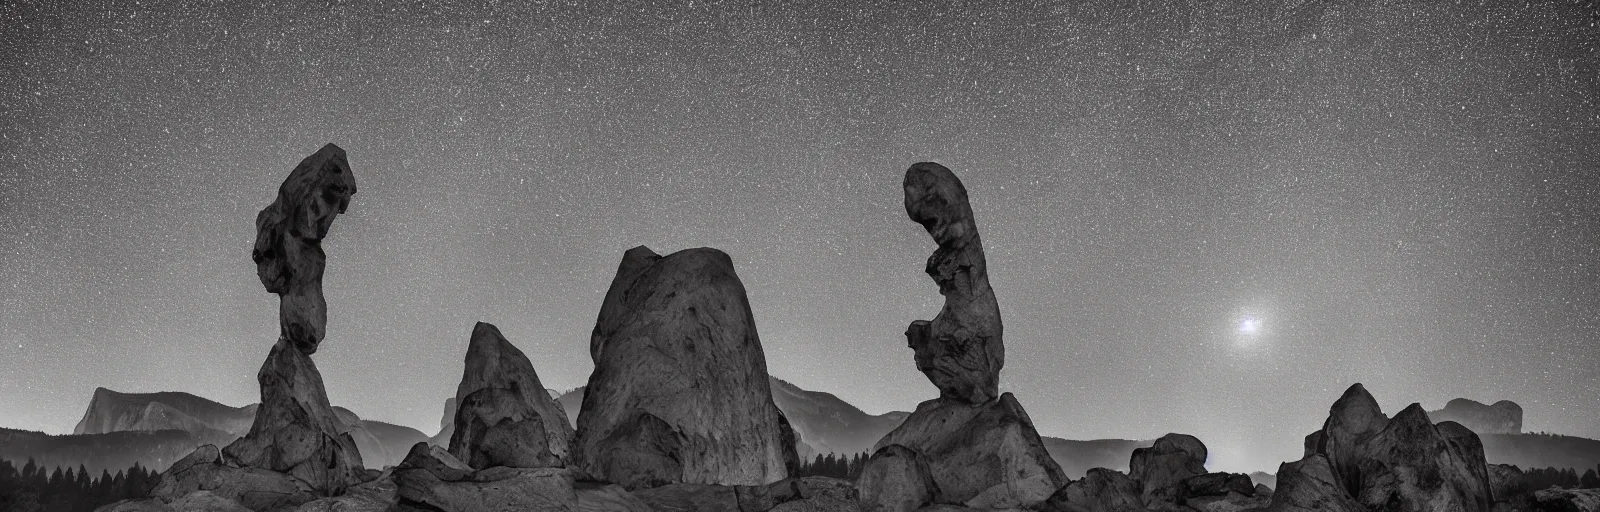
1364,460
1170,475
972,446
680,392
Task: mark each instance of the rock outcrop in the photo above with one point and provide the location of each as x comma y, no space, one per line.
972,446
1162,468
505,417
205,470
431,479
288,250
1362,459
1170,475
1504,417
296,431
960,350
679,392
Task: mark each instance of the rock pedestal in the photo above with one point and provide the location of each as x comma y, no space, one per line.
680,392
504,416
296,431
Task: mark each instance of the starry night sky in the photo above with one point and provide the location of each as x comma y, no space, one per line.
1403,194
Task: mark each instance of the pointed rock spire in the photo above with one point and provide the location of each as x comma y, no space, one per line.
503,416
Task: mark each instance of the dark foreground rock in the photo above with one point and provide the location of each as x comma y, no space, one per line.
1361,460
680,391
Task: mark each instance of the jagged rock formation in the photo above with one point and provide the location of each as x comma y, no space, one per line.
1362,459
505,417
972,446
296,431
288,249
960,350
1101,490
432,479
1504,417
679,392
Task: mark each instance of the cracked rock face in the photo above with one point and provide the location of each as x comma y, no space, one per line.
960,350
680,392
288,249
504,416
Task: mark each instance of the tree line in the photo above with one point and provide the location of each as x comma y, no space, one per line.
844,467
1566,478
33,488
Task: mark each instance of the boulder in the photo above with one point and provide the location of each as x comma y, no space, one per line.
984,456
432,479
288,249
1402,464
505,417
1100,490
295,431
1567,500
960,350
253,488
895,479
680,391
378,495
1504,417
1162,468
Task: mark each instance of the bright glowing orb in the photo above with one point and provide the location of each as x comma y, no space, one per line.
1249,325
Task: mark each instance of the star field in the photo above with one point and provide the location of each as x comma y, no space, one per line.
1403,194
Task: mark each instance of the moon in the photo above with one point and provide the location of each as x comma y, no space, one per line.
1249,325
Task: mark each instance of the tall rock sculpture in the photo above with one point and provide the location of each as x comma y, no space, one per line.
973,446
1362,459
679,392
505,417
288,249
960,350
296,431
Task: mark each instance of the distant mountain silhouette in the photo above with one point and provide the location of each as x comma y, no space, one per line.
200,420
1504,417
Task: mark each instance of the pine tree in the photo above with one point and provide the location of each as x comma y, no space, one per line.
29,470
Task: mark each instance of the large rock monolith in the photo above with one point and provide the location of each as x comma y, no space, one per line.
504,416
680,391
296,431
972,446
